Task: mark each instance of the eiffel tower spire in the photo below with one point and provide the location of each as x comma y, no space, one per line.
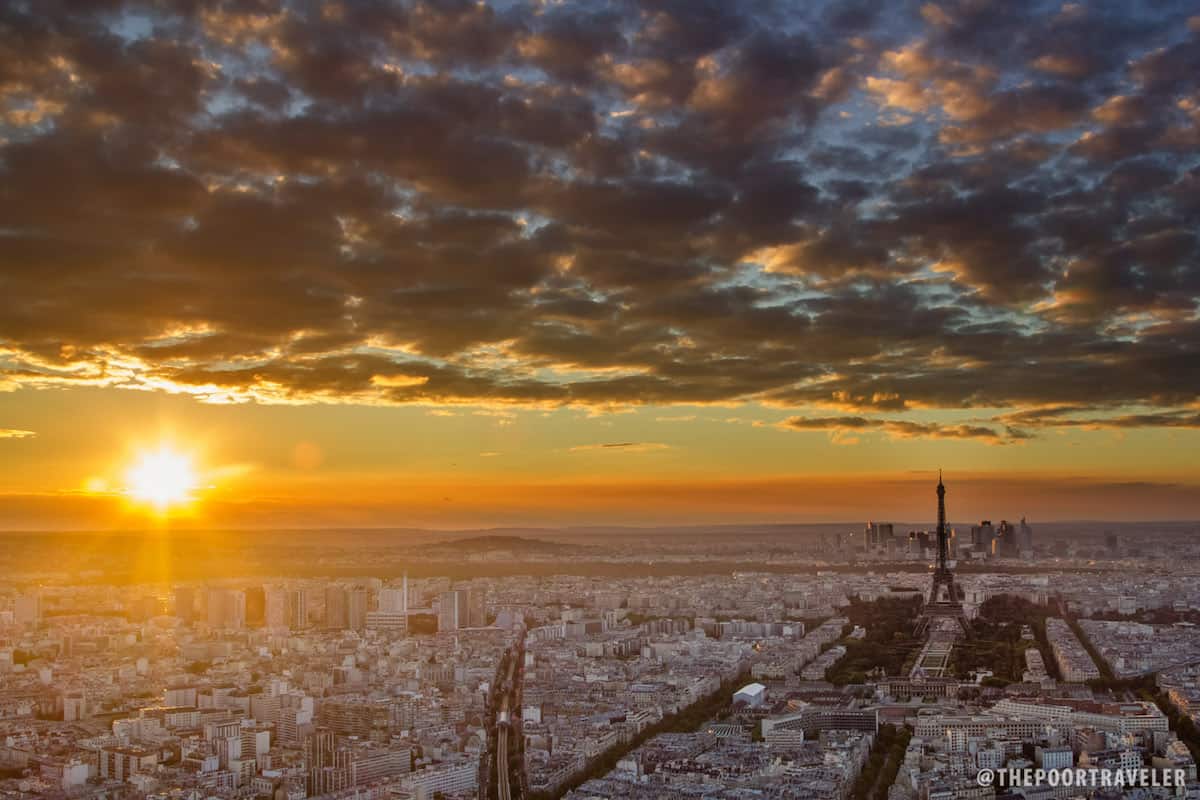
942,535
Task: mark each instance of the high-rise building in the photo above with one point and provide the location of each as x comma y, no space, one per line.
298,609
983,536
356,609
256,606
335,607
392,601
1025,538
275,607
878,535
226,608
392,614
1007,543
476,610
453,610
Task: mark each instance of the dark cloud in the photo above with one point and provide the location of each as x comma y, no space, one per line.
904,429
624,447
1085,417
861,206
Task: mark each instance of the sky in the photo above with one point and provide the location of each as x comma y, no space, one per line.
455,264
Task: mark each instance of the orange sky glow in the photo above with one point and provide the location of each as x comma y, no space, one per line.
471,264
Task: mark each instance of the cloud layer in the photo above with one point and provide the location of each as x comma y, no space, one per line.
866,206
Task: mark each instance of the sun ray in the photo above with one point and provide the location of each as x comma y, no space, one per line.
163,479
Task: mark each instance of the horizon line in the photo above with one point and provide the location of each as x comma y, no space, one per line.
554,528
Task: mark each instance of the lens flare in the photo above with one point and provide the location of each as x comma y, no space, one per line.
164,479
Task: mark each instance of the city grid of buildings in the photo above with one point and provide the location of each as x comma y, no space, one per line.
713,686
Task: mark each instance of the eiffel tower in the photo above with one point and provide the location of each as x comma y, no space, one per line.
945,598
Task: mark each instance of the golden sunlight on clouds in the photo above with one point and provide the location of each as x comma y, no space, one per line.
503,263
399,380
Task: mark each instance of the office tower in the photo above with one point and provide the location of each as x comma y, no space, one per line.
983,537
878,535
392,614
275,607
335,607
476,610
214,608
237,610
1025,537
298,609
185,603
226,608
452,610
356,609
256,606
392,601
1006,540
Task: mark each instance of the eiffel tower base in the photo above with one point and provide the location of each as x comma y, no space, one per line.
944,603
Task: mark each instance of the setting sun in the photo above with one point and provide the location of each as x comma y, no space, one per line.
163,479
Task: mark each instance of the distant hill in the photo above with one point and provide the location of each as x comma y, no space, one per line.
514,544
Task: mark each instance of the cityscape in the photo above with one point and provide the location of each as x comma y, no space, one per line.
599,399
871,663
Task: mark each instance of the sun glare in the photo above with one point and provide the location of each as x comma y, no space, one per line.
163,479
